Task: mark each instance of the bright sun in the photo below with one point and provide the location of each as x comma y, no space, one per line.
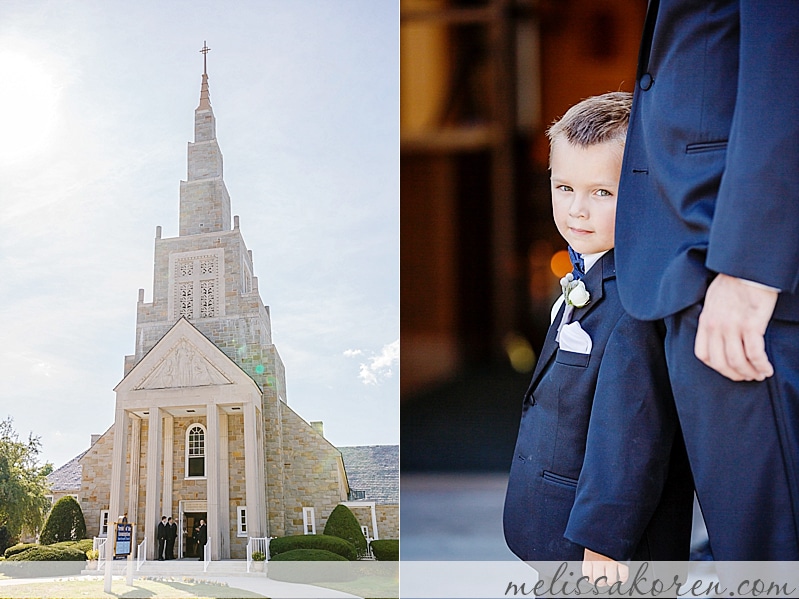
28,105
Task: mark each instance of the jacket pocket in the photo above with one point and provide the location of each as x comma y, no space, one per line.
571,358
705,146
559,479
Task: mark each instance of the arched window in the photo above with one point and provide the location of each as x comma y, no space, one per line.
195,451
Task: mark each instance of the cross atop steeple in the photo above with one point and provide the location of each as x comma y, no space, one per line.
205,97
205,50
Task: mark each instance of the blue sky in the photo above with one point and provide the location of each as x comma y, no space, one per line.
98,99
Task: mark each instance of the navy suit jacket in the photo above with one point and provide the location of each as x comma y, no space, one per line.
599,460
710,178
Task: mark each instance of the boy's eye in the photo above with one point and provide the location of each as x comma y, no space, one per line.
603,193
564,188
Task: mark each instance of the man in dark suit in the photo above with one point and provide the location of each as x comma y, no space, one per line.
171,535
161,536
706,239
599,469
201,536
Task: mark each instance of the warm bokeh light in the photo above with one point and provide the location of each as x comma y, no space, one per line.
28,105
520,352
560,263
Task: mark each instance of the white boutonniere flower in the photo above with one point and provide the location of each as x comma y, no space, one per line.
574,292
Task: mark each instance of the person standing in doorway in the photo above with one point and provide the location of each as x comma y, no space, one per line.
161,536
201,536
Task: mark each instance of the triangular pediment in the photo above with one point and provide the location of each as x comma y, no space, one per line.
182,358
184,365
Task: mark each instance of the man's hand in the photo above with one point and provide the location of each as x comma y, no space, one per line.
731,328
596,566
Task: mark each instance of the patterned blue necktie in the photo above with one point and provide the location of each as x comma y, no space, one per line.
578,264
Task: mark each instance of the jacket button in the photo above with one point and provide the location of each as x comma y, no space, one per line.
646,81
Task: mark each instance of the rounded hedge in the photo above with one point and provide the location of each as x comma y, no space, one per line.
83,545
18,548
324,542
308,555
385,550
44,553
287,567
65,522
343,524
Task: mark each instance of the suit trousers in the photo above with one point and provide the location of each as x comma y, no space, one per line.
161,546
743,443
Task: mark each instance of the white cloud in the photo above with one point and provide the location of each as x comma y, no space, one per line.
348,353
379,367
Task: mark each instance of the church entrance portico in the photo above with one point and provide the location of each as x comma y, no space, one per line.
195,419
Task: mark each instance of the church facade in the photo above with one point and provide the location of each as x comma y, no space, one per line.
202,427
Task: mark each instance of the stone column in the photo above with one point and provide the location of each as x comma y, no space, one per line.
224,486
212,479
135,458
169,453
116,502
152,513
254,525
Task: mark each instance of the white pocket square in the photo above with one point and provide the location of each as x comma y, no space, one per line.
574,339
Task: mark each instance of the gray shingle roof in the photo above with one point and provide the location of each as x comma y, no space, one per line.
375,470
67,478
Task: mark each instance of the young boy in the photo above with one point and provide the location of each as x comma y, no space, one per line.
599,471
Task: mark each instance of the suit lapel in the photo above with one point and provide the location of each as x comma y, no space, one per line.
594,283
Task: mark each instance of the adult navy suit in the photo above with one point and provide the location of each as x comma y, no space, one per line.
161,536
600,427
710,184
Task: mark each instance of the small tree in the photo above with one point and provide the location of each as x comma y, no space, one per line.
23,482
342,523
65,522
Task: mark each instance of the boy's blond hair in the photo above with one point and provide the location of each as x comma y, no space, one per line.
594,120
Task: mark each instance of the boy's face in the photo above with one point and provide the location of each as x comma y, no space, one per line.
585,182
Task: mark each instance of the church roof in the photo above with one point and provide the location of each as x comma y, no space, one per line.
67,478
373,469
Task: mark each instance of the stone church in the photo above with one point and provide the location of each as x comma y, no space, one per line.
202,427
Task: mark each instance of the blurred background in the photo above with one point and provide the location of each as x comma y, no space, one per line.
480,257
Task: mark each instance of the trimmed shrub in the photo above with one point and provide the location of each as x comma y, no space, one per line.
44,553
386,550
18,548
308,555
82,545
286,567
65,522
323,542
342,524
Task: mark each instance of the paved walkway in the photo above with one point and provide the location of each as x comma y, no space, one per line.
261,585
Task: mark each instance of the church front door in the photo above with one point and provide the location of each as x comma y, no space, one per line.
191,522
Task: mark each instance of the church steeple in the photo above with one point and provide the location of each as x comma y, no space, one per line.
204,199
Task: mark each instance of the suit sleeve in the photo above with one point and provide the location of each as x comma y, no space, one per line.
632,427
753,234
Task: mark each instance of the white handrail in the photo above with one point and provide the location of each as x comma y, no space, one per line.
206,555
141,554
100,544
254,545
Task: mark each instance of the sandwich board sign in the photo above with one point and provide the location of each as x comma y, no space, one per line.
123,537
